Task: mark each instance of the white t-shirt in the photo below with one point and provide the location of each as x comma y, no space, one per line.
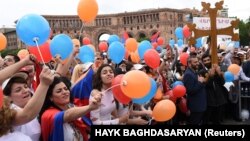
102,115
15,136
69,133
31,129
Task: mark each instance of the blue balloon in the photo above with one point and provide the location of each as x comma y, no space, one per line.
179,33
159,49
177,83
198,42
113,38
237,44
61,45
86,54
116,52
228,76
31,27
143,47
172,42
150,94
180,43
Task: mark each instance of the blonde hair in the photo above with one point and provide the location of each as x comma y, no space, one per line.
76,75
7,116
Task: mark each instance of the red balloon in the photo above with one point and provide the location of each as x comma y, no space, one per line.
186,31
1,98
154,45
152,58
85,41
171,95
103,46
179,91
117,91
183,58
183,105
45,51
160,41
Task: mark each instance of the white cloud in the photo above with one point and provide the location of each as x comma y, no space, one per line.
11,10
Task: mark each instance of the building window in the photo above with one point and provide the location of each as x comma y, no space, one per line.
157,26
151,26
138,28
144,26
180,17
131,28
109,21
157,17
180,25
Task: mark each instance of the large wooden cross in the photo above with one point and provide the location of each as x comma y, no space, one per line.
213,32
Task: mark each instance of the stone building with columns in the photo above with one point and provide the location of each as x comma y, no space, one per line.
139,24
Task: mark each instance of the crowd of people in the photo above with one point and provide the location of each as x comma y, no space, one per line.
60,101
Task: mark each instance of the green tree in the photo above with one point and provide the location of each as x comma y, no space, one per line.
142,39
9,51
244,29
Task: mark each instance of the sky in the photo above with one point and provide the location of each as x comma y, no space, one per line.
11,10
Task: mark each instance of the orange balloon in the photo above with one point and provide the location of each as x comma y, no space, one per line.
158,94
87,10
164,110
135,84
22,53
131,44
234,69
3,42
1,97
135,58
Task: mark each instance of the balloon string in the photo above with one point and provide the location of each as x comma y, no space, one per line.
111,88
81,30
36,39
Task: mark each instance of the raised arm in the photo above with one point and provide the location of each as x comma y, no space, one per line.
77,112
33,107
62,69
10,70
175,59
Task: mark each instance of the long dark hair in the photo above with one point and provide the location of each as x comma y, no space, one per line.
97,80
47,102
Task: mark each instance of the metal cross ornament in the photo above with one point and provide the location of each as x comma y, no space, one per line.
213,32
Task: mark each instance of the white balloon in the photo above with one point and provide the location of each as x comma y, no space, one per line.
204,40
244,114
227,85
